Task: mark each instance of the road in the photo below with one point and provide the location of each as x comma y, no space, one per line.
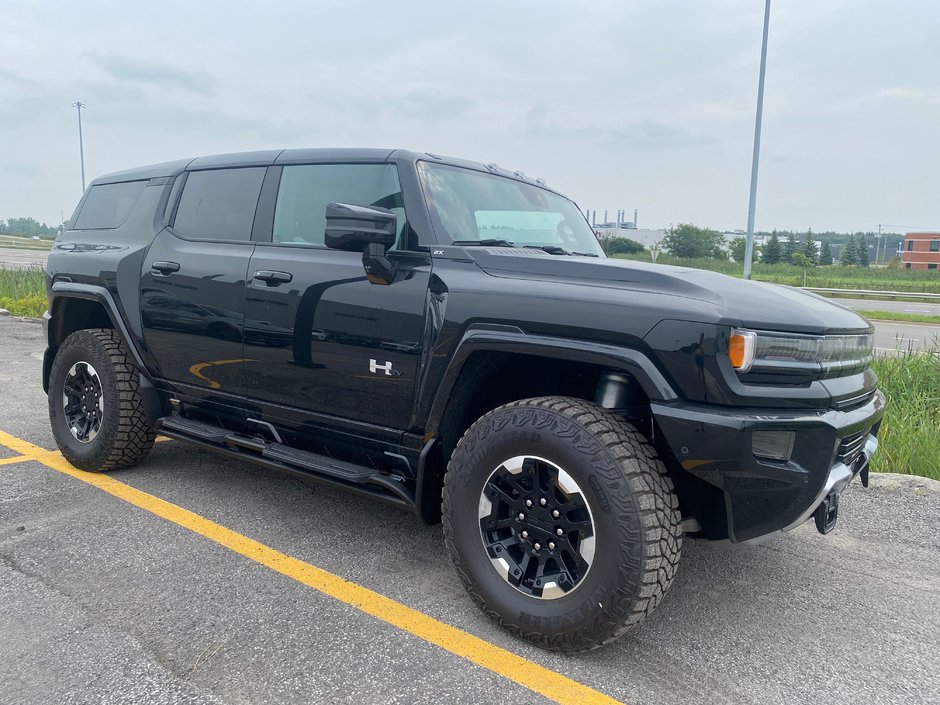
104,601
15,258
892,337
930,309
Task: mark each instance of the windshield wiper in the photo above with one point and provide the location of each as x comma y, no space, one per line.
485,243
556,250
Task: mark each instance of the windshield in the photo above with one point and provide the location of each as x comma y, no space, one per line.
469,206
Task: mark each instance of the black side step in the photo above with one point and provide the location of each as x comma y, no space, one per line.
341,470
278,456
197,430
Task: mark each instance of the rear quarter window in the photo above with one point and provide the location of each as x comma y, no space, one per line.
107,205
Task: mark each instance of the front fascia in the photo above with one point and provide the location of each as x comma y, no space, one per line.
761,496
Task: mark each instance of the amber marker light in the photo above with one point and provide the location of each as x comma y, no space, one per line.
741,349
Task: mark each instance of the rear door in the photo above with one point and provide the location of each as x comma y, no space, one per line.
193,281
319,336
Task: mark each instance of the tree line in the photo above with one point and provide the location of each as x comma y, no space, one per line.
28,227
802,249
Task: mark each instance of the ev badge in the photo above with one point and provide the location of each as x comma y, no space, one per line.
374,368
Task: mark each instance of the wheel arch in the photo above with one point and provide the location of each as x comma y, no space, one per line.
484,353
494,365
75,306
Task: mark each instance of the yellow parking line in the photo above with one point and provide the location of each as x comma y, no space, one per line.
539,679
14,459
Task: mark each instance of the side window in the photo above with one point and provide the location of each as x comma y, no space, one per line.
219,204
910,245
305,190
935,245
108,205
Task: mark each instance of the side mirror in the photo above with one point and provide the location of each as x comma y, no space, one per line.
368,229
353,228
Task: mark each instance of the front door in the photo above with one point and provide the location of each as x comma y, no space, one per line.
318,335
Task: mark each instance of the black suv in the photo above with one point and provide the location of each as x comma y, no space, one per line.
448,337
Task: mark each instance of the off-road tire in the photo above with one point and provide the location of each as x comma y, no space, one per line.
632,500
126,435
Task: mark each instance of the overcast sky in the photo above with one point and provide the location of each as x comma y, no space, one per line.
620,104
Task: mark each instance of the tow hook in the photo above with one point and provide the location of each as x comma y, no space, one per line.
827,513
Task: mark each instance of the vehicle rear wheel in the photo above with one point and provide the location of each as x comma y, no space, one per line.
561,522
95,405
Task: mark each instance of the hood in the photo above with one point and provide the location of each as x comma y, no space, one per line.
736,301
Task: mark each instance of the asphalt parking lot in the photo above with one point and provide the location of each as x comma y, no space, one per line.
193,579
22,258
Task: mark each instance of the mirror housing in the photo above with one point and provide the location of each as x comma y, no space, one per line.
367,229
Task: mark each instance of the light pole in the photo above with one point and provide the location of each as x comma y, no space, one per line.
78,105
749,249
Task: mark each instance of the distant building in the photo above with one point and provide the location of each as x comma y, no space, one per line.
921,251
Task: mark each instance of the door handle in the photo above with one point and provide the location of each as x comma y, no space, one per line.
272,277
165,267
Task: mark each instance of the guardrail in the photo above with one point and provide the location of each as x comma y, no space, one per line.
863,293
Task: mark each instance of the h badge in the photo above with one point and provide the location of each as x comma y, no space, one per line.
374,367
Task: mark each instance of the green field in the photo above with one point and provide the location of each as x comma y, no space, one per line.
910,433
24,243
873,315
23,292
832,277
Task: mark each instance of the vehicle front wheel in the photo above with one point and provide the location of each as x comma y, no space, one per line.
95,405
561,522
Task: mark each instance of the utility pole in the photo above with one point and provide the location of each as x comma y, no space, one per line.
878,247
752,202
78,105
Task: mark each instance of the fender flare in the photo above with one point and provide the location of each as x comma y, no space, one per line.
153,408
510,339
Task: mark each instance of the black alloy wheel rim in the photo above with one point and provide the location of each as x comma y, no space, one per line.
83,402
537,527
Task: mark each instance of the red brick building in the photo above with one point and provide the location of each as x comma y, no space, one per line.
921,251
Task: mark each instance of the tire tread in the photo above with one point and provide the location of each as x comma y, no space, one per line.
135,435
660,520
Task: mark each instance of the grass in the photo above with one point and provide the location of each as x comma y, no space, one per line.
898,316
832,277
23,292
910,433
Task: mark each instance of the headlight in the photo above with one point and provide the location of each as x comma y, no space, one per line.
770,351
741,349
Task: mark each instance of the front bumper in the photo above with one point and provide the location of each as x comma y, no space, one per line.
764,496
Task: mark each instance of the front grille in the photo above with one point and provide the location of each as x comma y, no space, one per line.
851,447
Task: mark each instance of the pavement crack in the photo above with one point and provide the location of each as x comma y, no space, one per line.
97,619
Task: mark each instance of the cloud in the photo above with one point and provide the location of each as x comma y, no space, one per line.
150,71
656,135
16,79
434,104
